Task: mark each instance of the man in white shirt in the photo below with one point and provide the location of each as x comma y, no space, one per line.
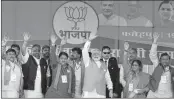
12,76
107,17
115,71
96,74
34,71
134,16
161,83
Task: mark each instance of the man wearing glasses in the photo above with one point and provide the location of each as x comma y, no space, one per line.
116,76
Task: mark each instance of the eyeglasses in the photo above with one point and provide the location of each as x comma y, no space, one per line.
106,52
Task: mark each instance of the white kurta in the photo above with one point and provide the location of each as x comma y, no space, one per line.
86,59
78,81
164,89
11,90
37,92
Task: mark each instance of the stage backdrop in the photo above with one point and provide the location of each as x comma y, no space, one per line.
40,19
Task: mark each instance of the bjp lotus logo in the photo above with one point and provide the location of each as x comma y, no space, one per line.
76,15
75,20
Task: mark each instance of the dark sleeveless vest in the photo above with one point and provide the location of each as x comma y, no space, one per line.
29,70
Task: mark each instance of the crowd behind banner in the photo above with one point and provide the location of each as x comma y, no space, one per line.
137,61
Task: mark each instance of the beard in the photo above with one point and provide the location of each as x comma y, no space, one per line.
36,55
46,55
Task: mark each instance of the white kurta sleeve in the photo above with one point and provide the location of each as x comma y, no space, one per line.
153,55
85,53
108,80
25,58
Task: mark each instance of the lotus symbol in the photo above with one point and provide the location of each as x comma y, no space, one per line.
76,15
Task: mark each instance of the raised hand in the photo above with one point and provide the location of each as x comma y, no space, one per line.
53,38
92,36
126,46
5,40
26,36
155,37
63,41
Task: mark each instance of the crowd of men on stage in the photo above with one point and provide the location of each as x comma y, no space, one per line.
84,73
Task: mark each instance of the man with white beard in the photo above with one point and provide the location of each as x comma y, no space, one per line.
96,74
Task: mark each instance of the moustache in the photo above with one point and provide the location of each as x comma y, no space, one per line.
47,54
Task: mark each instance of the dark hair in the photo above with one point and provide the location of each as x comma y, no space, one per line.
113,62
90,54
139,64
164,2
106,47
78,50
15,45
63,53
36,45
45,46
11,50
134,49
165,54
